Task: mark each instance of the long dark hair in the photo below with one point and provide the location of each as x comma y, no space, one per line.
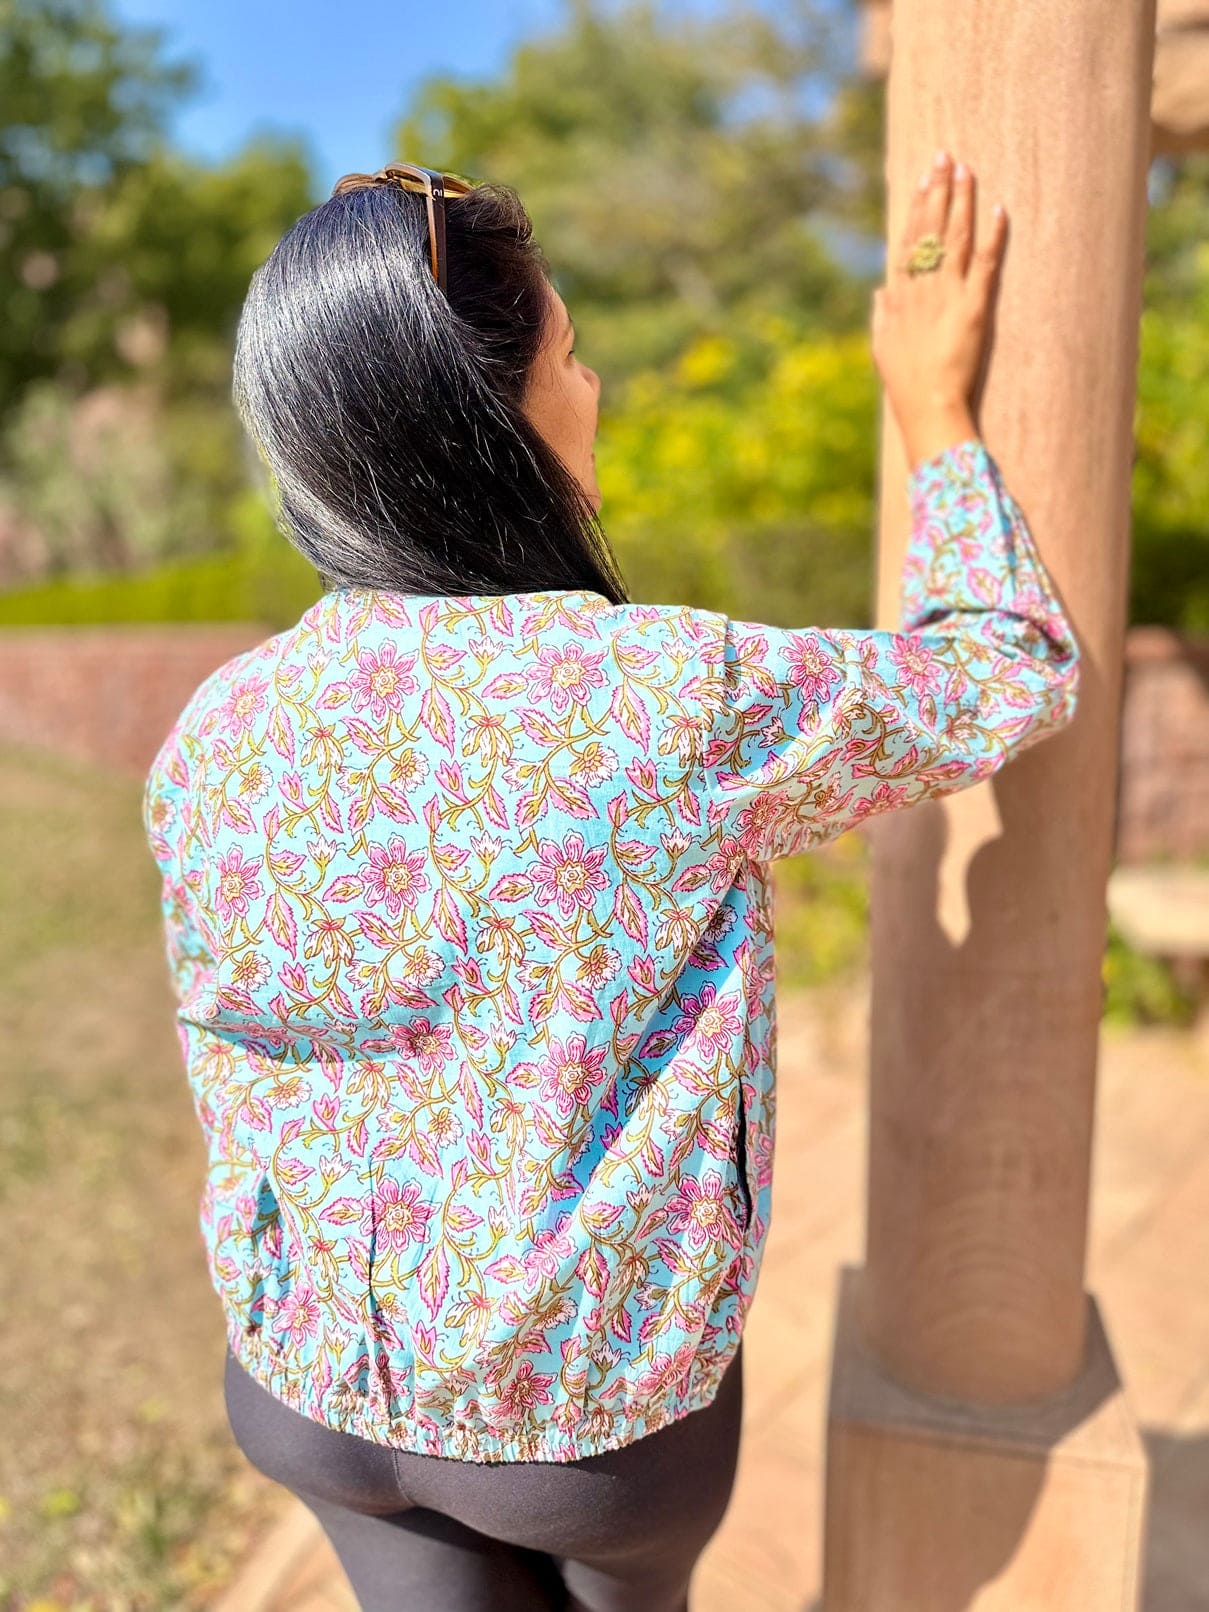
388,412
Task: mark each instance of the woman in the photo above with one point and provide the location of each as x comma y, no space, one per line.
465,885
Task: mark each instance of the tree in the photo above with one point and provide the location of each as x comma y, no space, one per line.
683,173
81,102
122,269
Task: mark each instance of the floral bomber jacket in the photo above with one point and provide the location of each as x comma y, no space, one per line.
468,917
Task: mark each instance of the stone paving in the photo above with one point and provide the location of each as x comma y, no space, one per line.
1149,1255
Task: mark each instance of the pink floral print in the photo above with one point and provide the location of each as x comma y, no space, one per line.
568,874
467,913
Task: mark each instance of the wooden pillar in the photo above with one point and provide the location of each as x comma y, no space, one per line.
979,1450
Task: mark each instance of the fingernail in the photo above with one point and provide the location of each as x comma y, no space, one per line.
941,158
961,171
925,179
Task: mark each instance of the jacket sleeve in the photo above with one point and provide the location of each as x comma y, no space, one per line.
813,731
167,816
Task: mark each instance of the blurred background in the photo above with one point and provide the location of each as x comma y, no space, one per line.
706,181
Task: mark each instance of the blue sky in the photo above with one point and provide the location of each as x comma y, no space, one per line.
336,74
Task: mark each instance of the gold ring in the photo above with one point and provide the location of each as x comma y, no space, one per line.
927,254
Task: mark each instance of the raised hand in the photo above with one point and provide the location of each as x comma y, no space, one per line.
930,325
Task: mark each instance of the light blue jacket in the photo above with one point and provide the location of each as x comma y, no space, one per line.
468,914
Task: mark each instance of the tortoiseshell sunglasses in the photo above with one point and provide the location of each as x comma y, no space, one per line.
435,187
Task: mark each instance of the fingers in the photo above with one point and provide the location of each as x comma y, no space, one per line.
938,195
928,211
989,255
914,226
960,241
943,204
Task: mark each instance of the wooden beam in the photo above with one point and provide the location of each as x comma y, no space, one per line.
989,907
1180,93
1179,108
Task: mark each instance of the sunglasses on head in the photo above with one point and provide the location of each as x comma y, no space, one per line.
434,186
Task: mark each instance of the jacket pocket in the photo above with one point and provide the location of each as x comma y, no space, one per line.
740,1152
266,1258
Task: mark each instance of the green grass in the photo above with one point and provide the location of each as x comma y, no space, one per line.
120,1484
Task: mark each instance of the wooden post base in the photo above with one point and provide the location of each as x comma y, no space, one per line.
936,1506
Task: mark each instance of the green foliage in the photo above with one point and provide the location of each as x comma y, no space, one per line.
83,99
259,578
718,265
822,930
738,479
1170,575
183,238
123,266
741,477
169,248
822,914
1141,990
101,482
681,170
108,239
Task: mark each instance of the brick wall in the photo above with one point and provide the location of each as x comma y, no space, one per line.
1164,800
110,694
